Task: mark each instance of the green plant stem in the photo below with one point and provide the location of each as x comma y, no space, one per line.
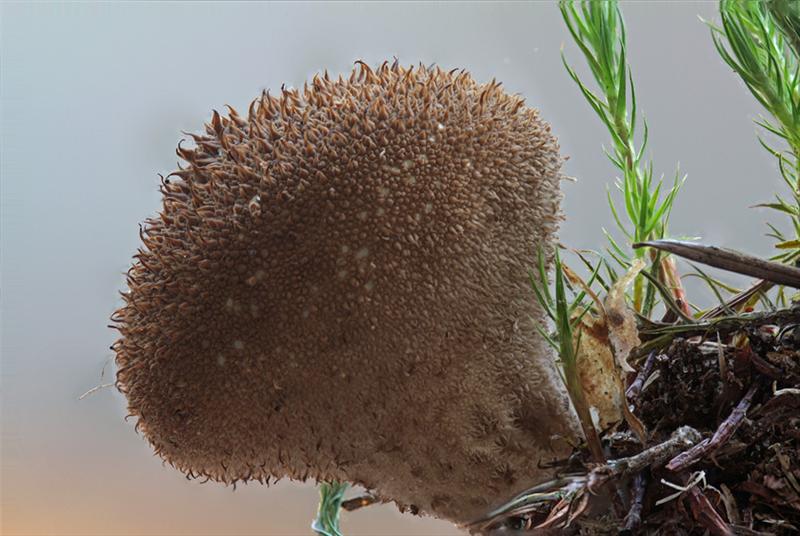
331,497
633,175
567,318
760,41
575,391
786,14
598,30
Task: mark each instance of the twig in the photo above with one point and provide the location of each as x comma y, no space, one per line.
728,324
655,455
723,433
705,514
767,369
739,299
635,387
634,518
729,502
576,486
730,260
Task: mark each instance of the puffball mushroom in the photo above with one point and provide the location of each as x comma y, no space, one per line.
337,288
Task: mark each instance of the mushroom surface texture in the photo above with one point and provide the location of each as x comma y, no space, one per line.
337,287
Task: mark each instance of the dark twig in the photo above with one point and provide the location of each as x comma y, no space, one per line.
634,518
767,369
730,260
636,386
724,432
705,514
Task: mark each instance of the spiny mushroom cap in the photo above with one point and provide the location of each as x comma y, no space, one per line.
336,288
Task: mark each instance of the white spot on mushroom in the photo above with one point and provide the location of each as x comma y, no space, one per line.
344,249
362,215
229,304
362,253
380,211
407,164
428,208
369,285
440,127
254,206
341,274
410,179
239,345
220,360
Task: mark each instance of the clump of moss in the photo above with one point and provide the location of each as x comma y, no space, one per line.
335,288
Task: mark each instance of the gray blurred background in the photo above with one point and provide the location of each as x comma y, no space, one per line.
94,98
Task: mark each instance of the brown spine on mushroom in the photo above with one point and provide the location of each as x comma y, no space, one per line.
336,288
